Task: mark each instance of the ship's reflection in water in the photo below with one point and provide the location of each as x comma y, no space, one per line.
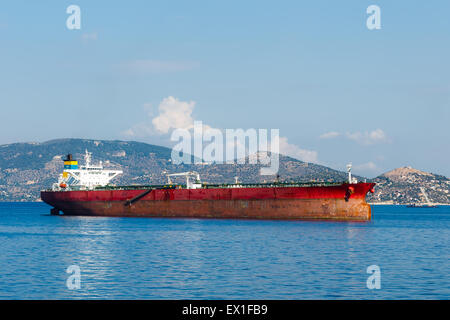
130,258
89,247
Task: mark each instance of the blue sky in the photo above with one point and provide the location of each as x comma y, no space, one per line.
378,98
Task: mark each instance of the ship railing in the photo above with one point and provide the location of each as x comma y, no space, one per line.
225,186
275,185
216,186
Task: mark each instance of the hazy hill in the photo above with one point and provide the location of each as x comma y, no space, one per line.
402,186
27,168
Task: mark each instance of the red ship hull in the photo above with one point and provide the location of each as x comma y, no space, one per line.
337,202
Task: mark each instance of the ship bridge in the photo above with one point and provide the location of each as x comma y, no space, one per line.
86,177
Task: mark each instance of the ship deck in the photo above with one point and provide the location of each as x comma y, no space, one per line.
221,186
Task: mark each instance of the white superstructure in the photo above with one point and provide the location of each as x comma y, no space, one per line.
196,184
85,177
350,178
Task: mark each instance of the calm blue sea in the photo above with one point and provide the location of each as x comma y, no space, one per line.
147,258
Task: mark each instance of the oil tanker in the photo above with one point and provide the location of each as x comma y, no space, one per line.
86,190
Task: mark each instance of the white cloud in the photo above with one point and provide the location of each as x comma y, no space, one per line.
329,135
368,138
158,66
177,114
369,166
174,114
139,130
364,138
296,152
89,36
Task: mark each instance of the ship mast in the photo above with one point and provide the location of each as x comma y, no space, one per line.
349,170
351,179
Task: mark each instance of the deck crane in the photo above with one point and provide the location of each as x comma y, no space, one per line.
188,175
